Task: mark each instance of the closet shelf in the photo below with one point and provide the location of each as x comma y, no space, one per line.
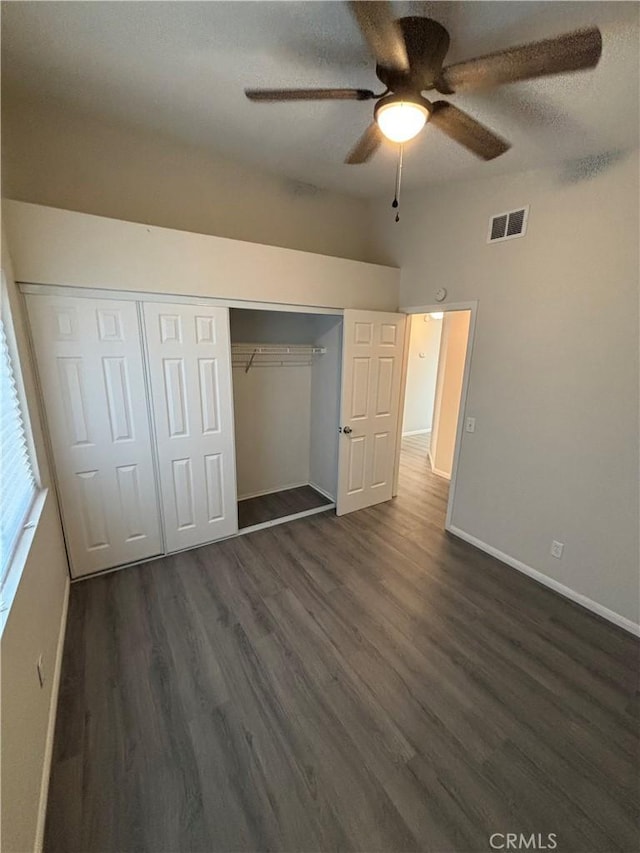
277,349
273,355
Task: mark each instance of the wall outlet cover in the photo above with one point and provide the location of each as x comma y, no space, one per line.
557,549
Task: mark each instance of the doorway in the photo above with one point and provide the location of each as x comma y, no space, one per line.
438,348
286,389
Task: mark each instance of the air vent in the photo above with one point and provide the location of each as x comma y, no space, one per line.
506,226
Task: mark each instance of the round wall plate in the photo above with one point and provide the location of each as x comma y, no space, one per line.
441,294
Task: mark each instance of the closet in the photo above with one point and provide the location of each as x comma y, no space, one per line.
138,405
172,424
286,388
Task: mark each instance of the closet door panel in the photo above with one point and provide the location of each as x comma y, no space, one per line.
370,407
190,369
89,357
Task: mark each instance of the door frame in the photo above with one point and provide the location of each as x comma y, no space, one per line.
472,306
26,287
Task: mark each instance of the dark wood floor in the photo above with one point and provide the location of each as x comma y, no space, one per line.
358,683
278,505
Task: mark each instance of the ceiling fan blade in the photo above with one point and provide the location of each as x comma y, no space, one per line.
427,43
366,146
382,33
273,95
570,52
467,131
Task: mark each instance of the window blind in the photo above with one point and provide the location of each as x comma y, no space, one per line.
17,482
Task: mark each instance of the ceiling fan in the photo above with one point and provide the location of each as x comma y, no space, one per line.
409,54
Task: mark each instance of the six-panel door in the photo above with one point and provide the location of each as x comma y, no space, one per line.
372,348
90,366
190,369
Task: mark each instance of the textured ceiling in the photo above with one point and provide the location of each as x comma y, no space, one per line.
179,68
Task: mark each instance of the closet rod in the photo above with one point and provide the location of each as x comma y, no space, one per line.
277,349
273,363
266,355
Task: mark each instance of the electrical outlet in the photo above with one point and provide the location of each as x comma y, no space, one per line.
557,549
470,425
40,669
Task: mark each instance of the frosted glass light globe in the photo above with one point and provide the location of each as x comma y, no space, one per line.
400,121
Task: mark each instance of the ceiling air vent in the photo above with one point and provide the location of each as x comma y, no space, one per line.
506,226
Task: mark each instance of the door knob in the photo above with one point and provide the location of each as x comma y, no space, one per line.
347,430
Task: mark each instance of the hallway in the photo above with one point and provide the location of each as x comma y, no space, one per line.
417,480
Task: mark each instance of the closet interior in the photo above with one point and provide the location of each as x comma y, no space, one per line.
286,391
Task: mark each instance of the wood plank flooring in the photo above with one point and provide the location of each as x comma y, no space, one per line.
364,683
278,505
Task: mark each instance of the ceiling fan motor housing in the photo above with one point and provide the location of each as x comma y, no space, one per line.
427,43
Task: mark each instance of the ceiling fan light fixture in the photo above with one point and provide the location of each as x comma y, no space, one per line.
401,117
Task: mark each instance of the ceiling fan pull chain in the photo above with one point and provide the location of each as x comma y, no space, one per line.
396,199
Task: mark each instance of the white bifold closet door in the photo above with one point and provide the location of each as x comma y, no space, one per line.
89,358
372,348
190,369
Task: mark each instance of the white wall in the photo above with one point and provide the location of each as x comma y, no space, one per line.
554,377
54,156
273,428
51,246
272,406
34,627
422,367
286,418
450,375
271,327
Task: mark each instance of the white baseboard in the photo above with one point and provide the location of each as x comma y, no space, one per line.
444,474
51,727
323,492
272,491
545,580
415,432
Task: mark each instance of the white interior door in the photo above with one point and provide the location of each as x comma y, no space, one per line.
89,358
370,407
190,369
